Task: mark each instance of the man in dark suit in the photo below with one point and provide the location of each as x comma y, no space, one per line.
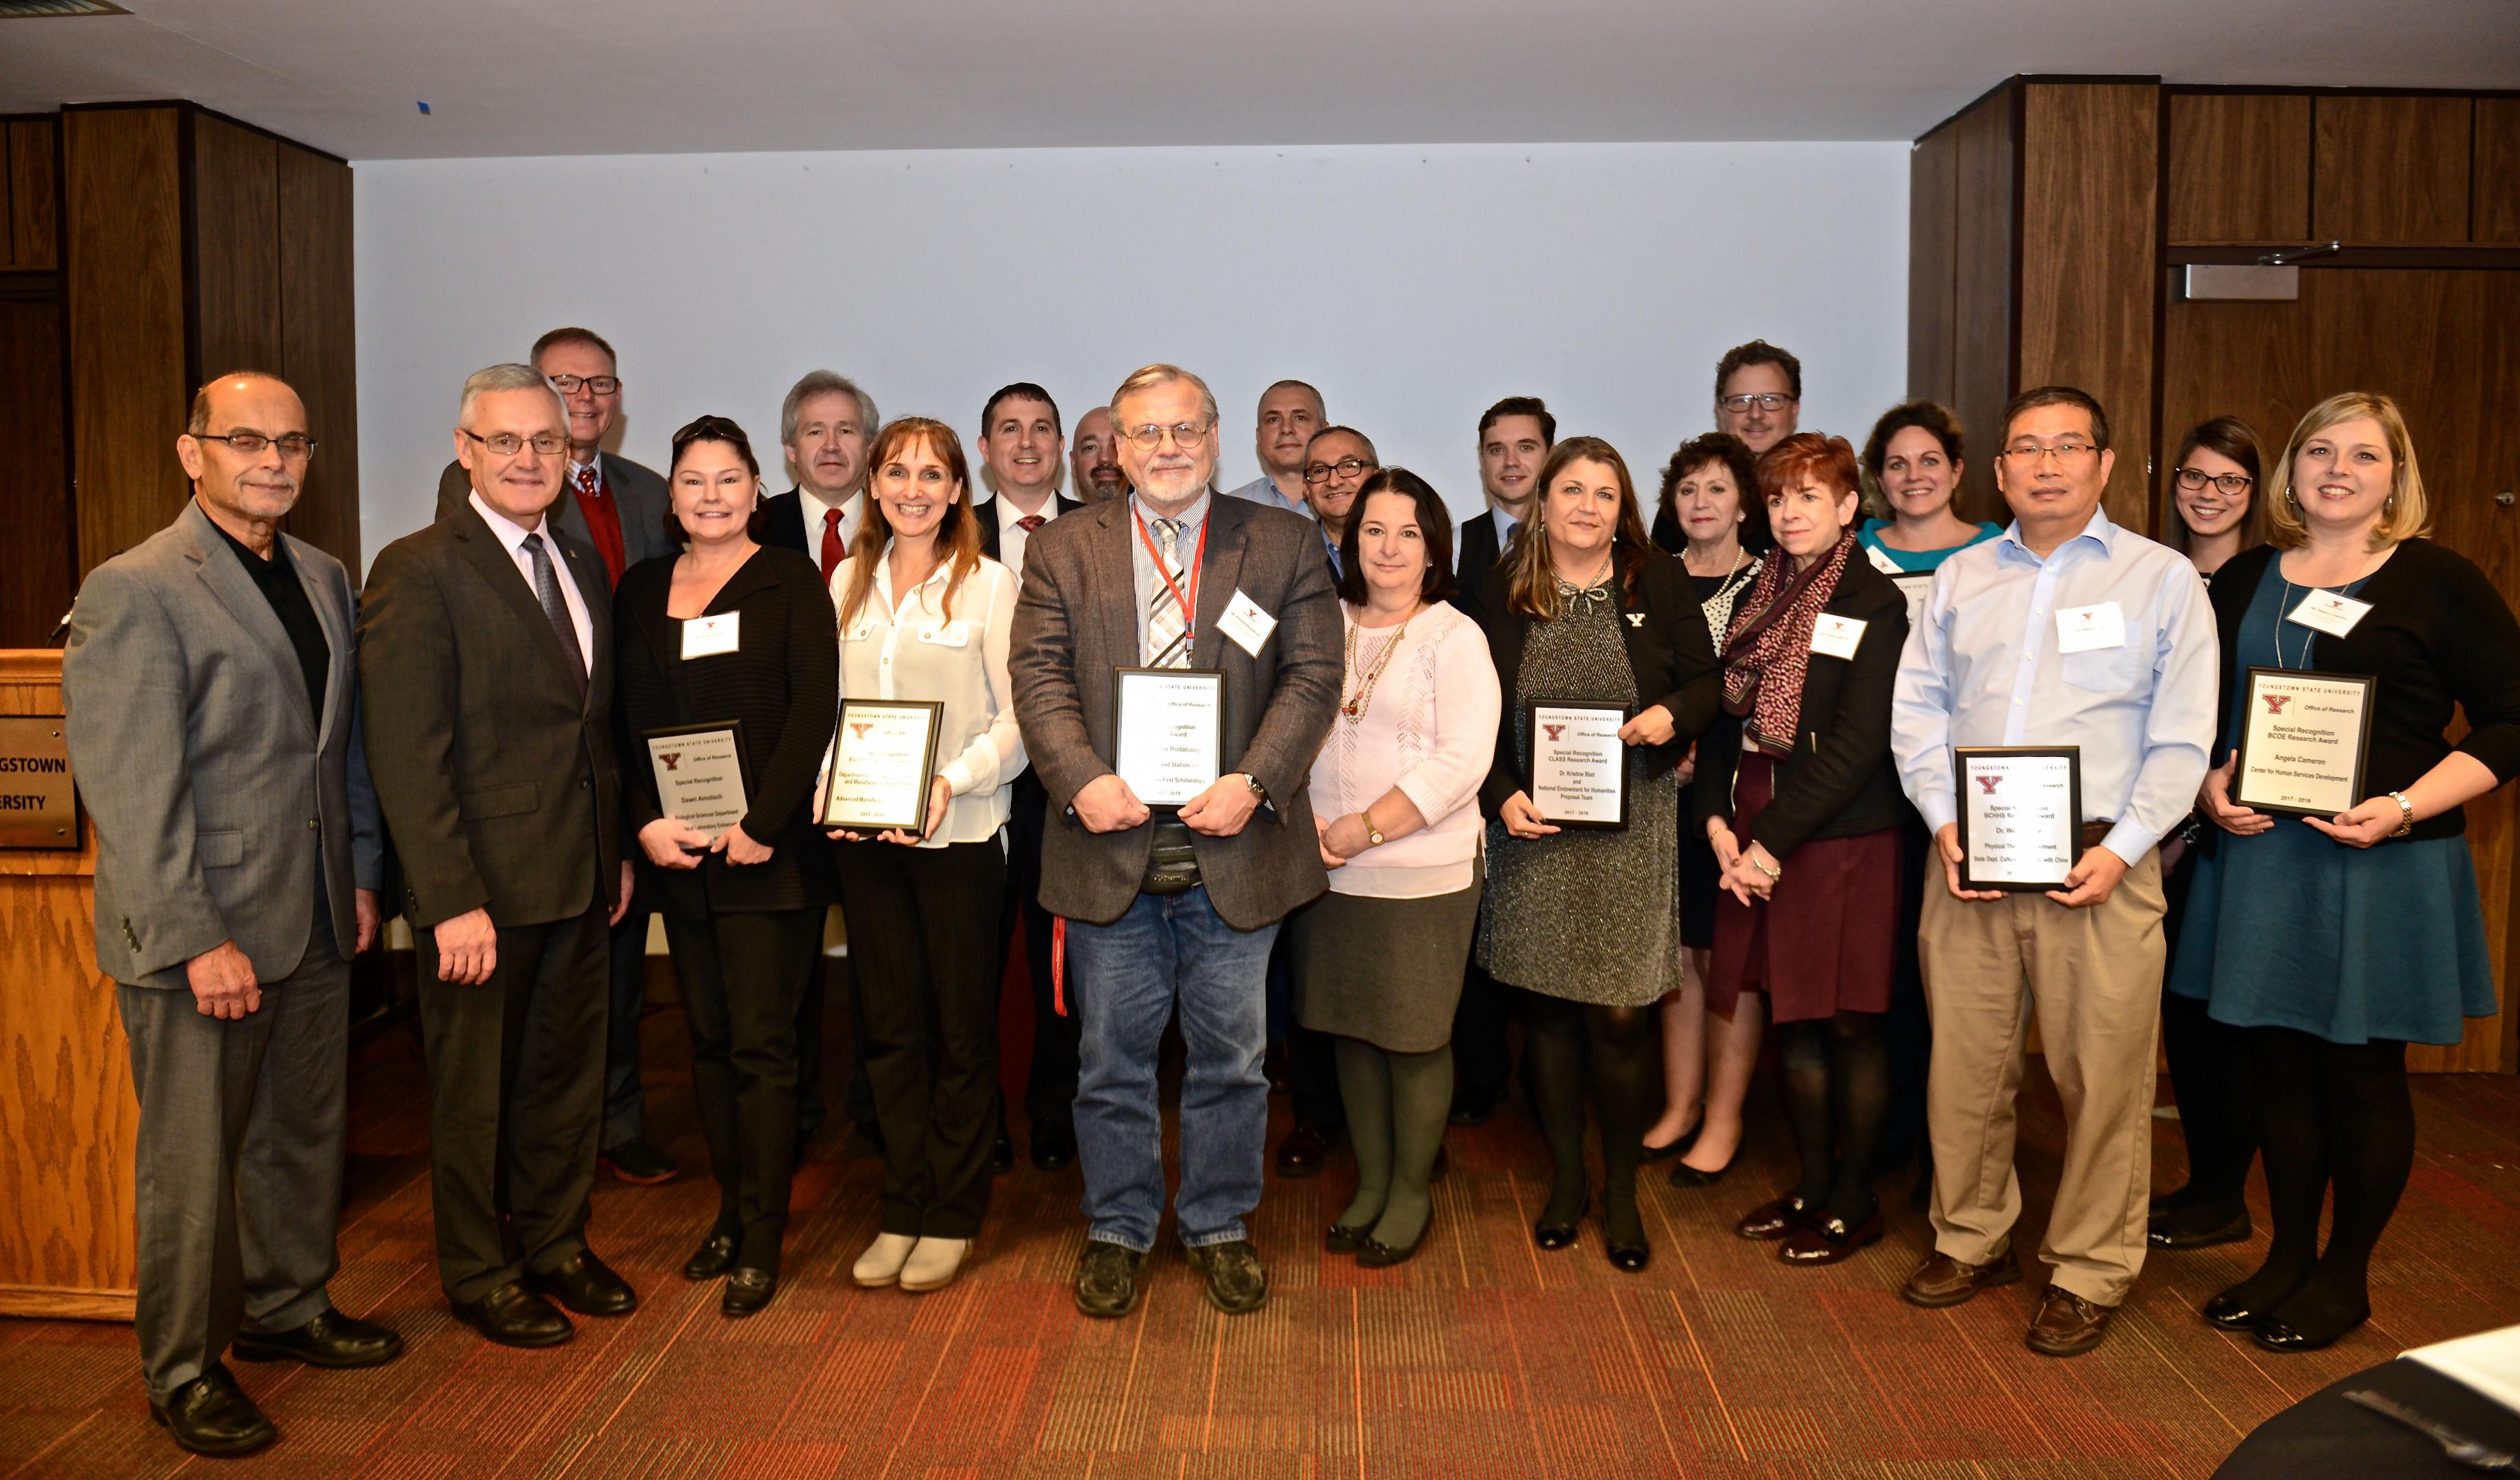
487,657
1020,447
212,713
618,506
1177,909
1515,438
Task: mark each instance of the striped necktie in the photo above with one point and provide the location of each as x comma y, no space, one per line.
1167,628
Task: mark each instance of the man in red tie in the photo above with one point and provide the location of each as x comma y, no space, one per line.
825,424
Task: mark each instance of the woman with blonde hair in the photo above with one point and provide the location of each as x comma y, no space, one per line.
2333,941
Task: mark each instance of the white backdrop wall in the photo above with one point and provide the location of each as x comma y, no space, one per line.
1413,284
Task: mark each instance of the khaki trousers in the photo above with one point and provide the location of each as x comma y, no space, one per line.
2094,977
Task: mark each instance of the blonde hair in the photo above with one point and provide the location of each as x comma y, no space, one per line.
2403,517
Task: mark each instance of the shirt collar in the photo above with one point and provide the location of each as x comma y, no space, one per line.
1191,518
1008,513
509,533
1507,522
278,560
596,464
2099,531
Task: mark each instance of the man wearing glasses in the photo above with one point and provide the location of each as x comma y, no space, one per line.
485,655
211,692
2066,631
1290,412
1335,462
1166,906
1758,394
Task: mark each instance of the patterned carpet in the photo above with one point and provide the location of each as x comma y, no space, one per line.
1483,1357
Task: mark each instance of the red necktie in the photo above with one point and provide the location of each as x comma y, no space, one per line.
834,552
1030,523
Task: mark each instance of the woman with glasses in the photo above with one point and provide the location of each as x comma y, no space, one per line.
924,615
2214,515
1586,610
2332,941
1711,516
725,634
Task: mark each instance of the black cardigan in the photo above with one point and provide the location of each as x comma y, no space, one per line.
1841,781
2438,634
1672,657
783,682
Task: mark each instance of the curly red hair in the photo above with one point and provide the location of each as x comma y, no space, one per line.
1808,457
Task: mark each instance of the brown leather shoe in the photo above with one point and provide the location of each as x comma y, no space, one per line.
1943,1280
1770,1220
2067,1324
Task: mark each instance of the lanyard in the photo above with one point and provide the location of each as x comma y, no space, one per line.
1189,599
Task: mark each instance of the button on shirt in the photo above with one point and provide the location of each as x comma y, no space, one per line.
1142,564
512,535
1982,668
920,653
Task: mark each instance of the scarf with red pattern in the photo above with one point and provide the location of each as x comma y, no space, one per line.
1769,649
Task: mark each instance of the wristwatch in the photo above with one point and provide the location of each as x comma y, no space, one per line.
2406,814
1373,833
1258,790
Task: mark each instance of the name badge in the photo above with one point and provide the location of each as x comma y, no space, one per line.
1245,623
1881,561
2327,612
2087,629
1836,635
710,636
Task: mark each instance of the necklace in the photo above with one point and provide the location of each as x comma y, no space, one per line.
1569,593
1719,606
1355,704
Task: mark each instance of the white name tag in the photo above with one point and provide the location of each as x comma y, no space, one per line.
710,636
1881,561
1245,623
2087,629
1836,635
2327,612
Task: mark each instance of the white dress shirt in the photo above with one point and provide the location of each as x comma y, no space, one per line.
1011,538
512,535
814,506
918,653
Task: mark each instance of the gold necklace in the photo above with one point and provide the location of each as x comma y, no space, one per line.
1355,704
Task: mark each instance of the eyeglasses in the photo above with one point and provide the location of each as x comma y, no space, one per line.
1346,468
567,386
1771,400
1186,435
293,445
508,444
2032,454
2231,484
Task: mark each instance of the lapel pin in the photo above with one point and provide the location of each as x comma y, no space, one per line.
1636,618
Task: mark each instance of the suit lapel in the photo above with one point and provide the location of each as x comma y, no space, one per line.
337,638
507,585
1114,568
1219,576
244,602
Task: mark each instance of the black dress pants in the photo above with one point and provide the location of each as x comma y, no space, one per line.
923,933
742,974
1049,1088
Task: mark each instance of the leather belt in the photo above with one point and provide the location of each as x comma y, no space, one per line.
2096,833
1172,862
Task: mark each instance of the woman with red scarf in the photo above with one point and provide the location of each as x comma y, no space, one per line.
1800,798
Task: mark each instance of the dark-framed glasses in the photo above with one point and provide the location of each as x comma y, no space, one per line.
1346,468
568,385
1766,400
2228,484
508,444
1186,435
293,445
2032,454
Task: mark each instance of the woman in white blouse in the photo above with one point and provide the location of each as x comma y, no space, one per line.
1395,793
923,615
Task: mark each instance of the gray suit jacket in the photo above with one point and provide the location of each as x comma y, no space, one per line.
643,507
215,789
1077,620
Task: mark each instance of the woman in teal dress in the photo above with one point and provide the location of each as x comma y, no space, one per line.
2334,941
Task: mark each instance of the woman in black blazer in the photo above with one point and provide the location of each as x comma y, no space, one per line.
731,632
1584,608
1797,793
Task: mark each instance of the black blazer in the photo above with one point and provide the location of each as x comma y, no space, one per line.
782,682
991,537
1672,657
2438,634
1475,552
1841,781
783,519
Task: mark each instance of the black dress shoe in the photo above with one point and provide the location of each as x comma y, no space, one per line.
585,1285
1373,1253
638,1163
1770,1220
1053,1148
1471,1112
1686,1176
2282,1336
1680,1147
2178,1232
1342,1240
1302,1152
331,1339
1828,1240
1001,1154
211,1415
514,1316
1558,1236
1631,1257
715,1258
2232,1315
746,1291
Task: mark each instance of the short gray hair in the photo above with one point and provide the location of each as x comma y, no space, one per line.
508,377
818,383
1147,377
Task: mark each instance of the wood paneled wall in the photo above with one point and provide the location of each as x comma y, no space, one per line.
318,344
36,560
31,188
2240,168
1962,282
2262,167
124,202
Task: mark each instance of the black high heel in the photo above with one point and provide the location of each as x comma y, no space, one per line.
1558,1236
1631,1257
1686,1176
1677,1147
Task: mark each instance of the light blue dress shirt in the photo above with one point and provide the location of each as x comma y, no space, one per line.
1982,668
1264,490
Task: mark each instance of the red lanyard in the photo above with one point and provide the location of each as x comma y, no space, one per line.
1189,599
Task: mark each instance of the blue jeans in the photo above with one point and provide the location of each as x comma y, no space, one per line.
1169,948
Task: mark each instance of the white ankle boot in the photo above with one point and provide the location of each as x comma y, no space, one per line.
881,1264
934,1262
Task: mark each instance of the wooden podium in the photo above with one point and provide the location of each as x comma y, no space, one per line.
68,1117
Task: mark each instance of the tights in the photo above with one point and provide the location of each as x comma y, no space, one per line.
1396,1104
1620,1045
2209,1076
1837,1095
2327,1113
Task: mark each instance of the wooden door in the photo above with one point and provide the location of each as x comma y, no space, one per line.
2438,343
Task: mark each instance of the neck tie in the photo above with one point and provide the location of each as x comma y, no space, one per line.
834,552
587,486
547,591
1030,523
1167,629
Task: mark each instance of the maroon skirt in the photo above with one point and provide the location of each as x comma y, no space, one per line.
1826,941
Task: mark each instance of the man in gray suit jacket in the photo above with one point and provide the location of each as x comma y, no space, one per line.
487,657
212,695
1177,906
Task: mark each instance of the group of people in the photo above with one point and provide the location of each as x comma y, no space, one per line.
1791,679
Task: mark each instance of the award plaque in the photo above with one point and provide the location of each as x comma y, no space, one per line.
2303,742
1579,765
883,765
1169,732
701,774
2020,815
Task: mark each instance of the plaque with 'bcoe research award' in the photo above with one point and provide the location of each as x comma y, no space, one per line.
2020,815
2303,743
